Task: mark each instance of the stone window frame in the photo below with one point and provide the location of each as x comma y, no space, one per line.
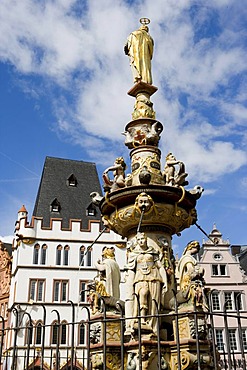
34,290
66,255
59,295
62,329
36,249
81,333
219,269
219,338
43,254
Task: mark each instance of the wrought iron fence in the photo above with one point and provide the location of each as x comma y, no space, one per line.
71,345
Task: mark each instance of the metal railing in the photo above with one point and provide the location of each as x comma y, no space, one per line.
21,347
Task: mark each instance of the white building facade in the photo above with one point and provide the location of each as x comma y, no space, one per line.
51,268
48,273
228,291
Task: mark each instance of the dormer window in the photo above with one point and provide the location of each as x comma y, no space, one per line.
91,210
55,206
72,181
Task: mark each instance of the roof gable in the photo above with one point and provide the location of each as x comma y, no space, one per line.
73,199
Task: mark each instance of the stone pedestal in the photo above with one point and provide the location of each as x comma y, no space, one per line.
105,341
143,105
191,328
188,355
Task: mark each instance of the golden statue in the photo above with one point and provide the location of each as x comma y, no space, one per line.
139,48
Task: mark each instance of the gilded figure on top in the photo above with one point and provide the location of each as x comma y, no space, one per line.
139,48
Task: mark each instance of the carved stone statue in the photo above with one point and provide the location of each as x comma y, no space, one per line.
190,277
139,48
144,202
110,272
149,279
143,107
96,198
172,176
131,362
144,134
119,176
5,271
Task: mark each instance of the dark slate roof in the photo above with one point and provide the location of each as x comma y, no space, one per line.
241,252
73,200
243,261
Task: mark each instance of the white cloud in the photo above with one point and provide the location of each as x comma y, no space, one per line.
235,112
209,192
7,239
84,54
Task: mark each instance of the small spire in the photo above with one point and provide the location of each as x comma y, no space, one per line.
22,213
23,209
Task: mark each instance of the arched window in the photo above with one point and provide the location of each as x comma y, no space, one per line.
38,333
36,254
81,256
43,254
66,255
29,333
54,332
59,255
59,332
55,206
89,257
63,332
82,333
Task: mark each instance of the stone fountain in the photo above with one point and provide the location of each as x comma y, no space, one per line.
146,207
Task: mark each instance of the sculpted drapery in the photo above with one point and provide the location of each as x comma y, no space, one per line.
139,48
148,276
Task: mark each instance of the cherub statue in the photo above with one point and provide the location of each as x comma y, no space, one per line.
119,176
172,176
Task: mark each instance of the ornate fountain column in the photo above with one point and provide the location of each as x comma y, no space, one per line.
147,207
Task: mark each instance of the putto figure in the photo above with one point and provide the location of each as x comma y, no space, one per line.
172,176
139,48
119,175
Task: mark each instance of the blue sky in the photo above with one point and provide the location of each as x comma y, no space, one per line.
63,84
